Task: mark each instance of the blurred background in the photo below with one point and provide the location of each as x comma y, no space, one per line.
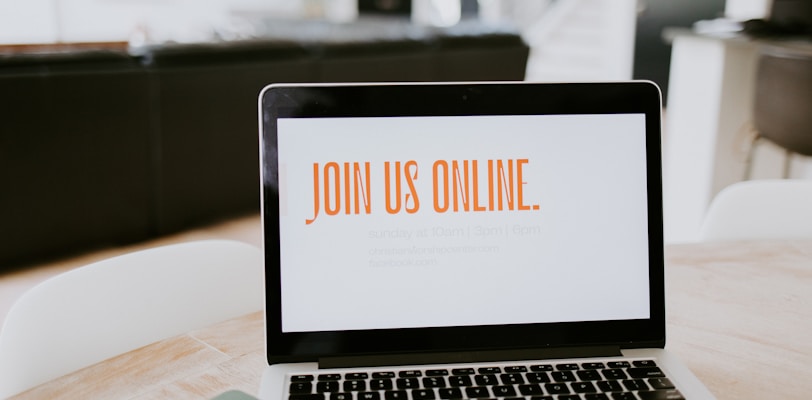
123,120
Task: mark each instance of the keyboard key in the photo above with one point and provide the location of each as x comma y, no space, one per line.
645,372
593,365
541,368
477,392
583,387
596,396
490,370
557,388
644,363
460,380
313,396
670,394
486,380
423,394
381,384
395,395
530,390
610,386
537,377
588,375
330,377
512,379
356,375
408,383
355,386
618,364
300,387
327,386
660,383
614,374
341,396
503,391
369,396
635,384
515,369
383,375
410,374
434,382
567,367
463,371
569,397
624,396
437,372
563,376
450,394
301,378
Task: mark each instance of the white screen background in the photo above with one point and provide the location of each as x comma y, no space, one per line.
581,256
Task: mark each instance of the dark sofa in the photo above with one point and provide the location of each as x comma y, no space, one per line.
75,153
108,147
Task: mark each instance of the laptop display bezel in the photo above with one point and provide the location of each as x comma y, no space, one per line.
458,99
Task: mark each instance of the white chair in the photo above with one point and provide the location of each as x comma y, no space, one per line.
760,209
104,309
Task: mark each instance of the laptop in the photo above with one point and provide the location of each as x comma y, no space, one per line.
465,240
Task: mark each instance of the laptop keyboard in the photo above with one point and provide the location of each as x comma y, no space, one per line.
610,380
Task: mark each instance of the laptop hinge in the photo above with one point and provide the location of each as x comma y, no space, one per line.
467,357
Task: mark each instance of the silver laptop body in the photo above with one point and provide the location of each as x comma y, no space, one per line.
415,234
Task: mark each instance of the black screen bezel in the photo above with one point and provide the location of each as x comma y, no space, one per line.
458,99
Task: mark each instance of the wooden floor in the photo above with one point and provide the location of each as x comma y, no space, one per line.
14,284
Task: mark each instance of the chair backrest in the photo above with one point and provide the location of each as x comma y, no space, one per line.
98,311
783,98
760,209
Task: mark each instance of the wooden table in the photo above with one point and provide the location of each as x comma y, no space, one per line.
740,316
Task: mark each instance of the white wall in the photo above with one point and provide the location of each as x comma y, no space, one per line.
48,21
29,21
743,10
583,40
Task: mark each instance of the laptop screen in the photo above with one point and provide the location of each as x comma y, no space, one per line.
410,222
435,221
